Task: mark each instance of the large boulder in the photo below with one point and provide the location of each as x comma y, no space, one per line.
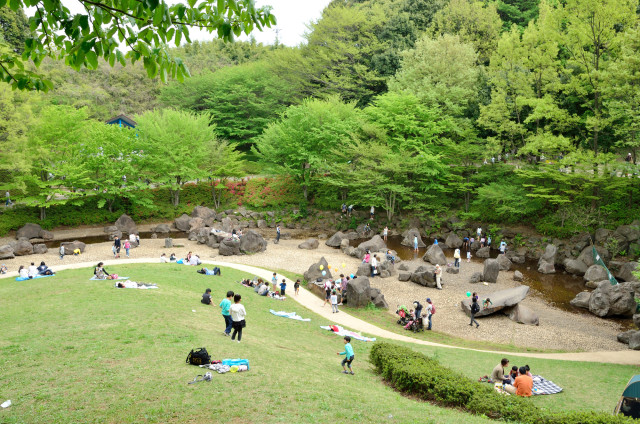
212,241
522,314
596,273
601,236
475,278
517,276
581,300
491,270
6,252
629,232
126,225
375,244
22,247
386,268
364,269
607,300
344,246
227,224
314,272
182,222
545,267
70,246
423,275
203,212
309,244
162,228
201,234
504,262
586,255
229,246
575,267
500,300
626,335
46,235
484,252
626,271
404,276
380,302
39,249
636,320
408,238
252,242
358,292
452,270
261,223
335,240
634,341
435,255
453,241
29,231
549,254
196,224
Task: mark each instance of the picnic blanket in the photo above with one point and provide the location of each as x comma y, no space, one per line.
37,276
291,315
542,386
133,285
103,279
342,332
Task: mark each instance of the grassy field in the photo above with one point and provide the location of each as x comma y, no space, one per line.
74,350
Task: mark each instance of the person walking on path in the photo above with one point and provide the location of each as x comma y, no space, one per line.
456,258
385,233
334,302
238,313
438,274
225,305
277,234
475,308
479,232
430,312
61,251
116,247
348,356
296,286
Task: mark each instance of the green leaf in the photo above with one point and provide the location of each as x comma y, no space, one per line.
192,2
15,4
158,15
2,3
178,38
220,7
92,58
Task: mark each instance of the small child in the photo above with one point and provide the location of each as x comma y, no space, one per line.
127,246
486,303
296,286
468,256
283,287
3,269
334,302
348,355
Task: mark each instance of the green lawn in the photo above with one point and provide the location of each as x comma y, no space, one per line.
74,350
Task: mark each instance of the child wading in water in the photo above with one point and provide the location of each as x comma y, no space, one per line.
348,355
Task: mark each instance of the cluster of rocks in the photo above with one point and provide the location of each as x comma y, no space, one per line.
507,302
359,291
375,245
631,337
609,300
124,226
29,241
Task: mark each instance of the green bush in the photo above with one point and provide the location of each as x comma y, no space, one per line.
417,374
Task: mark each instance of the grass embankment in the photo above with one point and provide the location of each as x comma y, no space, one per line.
74,350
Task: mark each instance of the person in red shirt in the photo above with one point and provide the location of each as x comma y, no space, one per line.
523,383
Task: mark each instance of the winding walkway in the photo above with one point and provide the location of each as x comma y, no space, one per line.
314,304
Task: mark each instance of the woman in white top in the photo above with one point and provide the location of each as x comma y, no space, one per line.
438,273
238,313
23,272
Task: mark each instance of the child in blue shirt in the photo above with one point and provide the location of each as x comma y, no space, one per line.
348,355
283,287
225,305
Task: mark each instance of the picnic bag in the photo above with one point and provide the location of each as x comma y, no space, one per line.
198,356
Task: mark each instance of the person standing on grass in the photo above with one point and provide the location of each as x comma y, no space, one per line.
225,305
348,355
430,311
274,281
116,247
283,287
456,258
334,302
277,234
296,286
238,313
475,308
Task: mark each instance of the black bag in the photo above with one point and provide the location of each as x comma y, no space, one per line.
475,308
198,356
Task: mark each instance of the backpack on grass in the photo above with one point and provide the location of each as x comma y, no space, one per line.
198,356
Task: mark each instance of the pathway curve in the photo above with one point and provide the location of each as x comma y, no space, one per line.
314,303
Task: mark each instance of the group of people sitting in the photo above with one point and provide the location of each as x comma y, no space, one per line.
518,382
264,289
102,274
33,270
190,259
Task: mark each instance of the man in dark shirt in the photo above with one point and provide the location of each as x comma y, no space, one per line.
116,247
206,297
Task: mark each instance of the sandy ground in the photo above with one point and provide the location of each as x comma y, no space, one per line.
558,329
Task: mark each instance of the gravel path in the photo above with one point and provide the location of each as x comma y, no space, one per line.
558,329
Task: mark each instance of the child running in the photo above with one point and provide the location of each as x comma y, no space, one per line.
348,355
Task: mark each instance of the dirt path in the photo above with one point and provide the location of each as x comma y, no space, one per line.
313,303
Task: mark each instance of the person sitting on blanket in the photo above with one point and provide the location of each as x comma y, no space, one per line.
194,260
258,284
163,258
43,269
523,383
33,270
100,272
513,374
497,375
528,371
188,258
264,289
22,271
206,297
172,258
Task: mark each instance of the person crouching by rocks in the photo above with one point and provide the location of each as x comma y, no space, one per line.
206,297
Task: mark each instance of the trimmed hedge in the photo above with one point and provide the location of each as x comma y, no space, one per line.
417,374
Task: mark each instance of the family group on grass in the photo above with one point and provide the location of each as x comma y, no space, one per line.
31,272
518,381
412,319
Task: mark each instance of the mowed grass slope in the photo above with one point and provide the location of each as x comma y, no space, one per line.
74,350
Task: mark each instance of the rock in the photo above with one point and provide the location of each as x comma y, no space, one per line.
591,284
39,249
29,231
475,278
586,255
404,276
595,273
46,235
375,244
453,241
112,229
162,228
475,245
504,262
517,276
380,302
629,232
423,275
491,270
452,270
522,314
636,320
314,272
385,267
22,247
408,238
549,254
6,252
309,244
483,252
70,246
335,240
252,242
601,236
581,300
229,246
607,300
364,269
261,223
201,234
403,267
626,271
634,341
196,224
212,241
575,267
126,225
182,222
625,336
546,267
168,243
344,245
203,212
500,300
435,255
358,292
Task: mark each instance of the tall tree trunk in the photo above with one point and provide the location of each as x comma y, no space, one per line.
43,213
176,192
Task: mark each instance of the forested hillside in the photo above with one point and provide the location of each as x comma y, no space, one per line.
516,111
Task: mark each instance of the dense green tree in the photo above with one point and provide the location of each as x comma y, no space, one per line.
519,12
14,28
16,115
